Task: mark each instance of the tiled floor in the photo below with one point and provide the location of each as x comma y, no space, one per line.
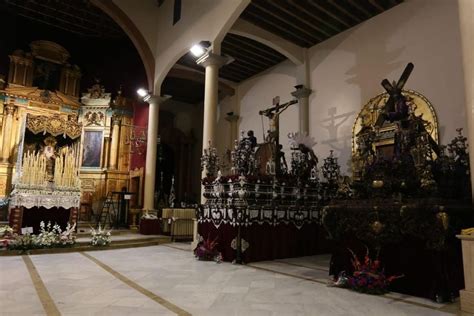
167,280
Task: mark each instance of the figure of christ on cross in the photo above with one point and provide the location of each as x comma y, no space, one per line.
272,137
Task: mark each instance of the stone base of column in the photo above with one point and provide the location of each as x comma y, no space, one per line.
195,235
467,301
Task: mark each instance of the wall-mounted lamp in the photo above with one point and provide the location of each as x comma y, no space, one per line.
197,50
143,93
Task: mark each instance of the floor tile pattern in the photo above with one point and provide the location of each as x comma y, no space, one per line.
81,286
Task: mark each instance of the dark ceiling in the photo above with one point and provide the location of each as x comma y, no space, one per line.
302,22
79,17
309,22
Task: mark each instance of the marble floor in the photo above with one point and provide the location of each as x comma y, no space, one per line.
167,280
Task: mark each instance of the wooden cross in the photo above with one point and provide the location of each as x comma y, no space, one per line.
395,107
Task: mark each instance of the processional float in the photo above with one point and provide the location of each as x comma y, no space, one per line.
47,171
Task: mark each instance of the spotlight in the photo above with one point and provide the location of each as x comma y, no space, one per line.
142,92
197,50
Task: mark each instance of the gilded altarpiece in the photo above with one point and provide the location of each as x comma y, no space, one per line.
105,154
104,150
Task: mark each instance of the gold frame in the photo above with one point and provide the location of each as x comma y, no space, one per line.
370,111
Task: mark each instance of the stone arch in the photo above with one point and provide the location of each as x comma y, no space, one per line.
133,33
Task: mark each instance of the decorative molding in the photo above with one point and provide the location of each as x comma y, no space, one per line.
96,118
301,92
54,125
210,58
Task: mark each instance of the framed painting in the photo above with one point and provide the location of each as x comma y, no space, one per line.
92,149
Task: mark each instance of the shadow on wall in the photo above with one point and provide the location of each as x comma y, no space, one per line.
374,60
340,136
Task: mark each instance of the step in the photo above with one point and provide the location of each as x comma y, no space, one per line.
86,231
117,240
79,247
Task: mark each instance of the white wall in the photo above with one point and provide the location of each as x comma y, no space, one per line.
346,72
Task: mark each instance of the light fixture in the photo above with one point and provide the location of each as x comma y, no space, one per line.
197,50
143,93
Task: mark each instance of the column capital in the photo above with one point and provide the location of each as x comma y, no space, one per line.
232,118
301,92
157,99
210,58
116,119
10,109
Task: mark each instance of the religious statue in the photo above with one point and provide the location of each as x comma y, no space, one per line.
272,137
49,151
252,139
395,108
273,115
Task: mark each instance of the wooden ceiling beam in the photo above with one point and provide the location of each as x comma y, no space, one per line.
361,8
330,14
42,13
79,21
51,24
316,17
231,78
248,43
304,21
341,9
234,74
375,4
251,54
290,25
289,34
235,69
238,63
250,64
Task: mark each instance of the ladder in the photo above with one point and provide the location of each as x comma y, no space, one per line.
107,215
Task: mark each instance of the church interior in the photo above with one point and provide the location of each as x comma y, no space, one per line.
257,157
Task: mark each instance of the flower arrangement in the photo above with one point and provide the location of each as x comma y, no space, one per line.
6,231
206,250
147,215
50,236
100,237
368,276
23,242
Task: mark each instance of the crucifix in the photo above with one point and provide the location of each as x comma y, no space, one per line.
273,114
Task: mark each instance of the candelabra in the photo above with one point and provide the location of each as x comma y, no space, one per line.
137,139
210,161
243,156
331,168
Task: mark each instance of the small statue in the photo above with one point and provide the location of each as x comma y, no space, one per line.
252,139
49,151
172,196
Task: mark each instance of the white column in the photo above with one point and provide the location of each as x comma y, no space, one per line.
7,131
466,16
114,146
151,144
233,119
212,63
302,94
